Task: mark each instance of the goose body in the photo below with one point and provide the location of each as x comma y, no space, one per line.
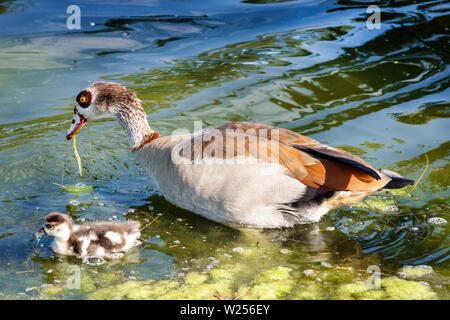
94,239
240,174
233,194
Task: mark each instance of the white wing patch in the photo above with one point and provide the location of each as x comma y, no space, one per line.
84,247
93,236
114,237
99,252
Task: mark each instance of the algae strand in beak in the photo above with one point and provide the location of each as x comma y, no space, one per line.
77,155
79,187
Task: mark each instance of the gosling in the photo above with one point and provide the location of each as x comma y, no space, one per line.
94,239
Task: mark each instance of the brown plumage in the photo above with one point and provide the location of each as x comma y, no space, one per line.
311,162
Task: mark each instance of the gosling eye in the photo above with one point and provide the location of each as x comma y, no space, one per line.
48,226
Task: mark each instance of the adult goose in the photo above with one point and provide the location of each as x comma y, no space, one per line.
240,174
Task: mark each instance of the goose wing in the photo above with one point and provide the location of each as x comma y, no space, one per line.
311,162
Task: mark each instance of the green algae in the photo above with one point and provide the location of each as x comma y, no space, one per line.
359,290
403,192
274,283
229,278
307,100
224,274
268,290
274,274
391,288
225,282
377,204
77,156
399,289
258,271
121,291
200,292
383,202
337,276
416,271
195,278
194,288
78,188
52,290
309,291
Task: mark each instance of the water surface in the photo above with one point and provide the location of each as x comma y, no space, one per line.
309,66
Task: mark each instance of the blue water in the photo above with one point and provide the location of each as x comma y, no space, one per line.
310,66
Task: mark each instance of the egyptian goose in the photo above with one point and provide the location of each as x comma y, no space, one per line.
240,174
94,239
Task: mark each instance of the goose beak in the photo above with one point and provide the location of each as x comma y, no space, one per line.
78,122
40,233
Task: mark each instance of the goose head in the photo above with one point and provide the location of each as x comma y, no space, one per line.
106,99
58,225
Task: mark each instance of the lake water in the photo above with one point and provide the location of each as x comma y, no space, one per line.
310,66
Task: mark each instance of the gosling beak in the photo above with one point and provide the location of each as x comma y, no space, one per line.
40,233
78,122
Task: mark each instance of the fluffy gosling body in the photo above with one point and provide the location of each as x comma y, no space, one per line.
96,239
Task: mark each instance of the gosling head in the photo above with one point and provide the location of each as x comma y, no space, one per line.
104,99
58,225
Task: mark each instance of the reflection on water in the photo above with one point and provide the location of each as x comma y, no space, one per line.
312,67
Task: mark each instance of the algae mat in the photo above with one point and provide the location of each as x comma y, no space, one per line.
310,66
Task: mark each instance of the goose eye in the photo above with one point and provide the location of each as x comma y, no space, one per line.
84,98
48,226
